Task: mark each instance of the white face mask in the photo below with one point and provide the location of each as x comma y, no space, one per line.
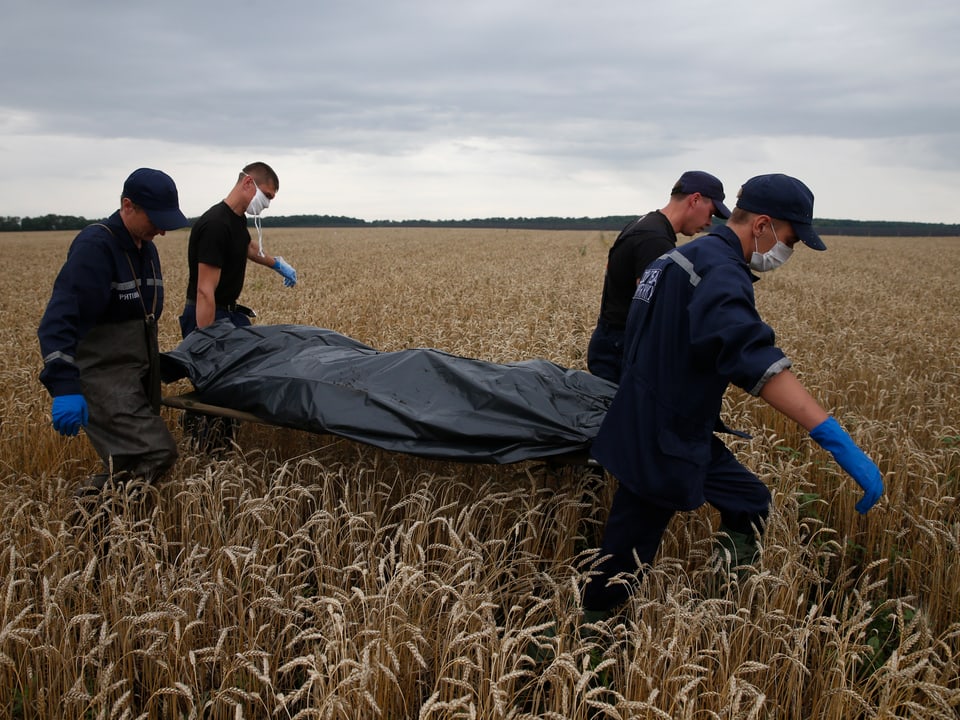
258,204
772,258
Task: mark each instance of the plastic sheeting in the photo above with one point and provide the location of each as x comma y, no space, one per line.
419,401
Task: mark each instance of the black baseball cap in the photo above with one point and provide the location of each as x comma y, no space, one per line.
785,198
156,193
697,181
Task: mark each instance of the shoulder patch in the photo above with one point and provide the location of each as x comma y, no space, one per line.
647,284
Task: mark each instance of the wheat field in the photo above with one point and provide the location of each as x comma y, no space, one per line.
305,576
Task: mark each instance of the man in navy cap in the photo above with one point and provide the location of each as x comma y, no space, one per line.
98,335
693,329
696,197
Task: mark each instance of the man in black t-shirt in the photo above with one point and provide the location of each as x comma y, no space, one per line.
696,197
220,246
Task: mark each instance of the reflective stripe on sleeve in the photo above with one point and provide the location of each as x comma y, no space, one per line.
778,367
57,355
687,266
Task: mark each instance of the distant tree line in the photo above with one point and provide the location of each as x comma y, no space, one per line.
613,222
879,228
883,228
46,222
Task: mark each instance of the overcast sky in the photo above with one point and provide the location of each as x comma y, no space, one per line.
443,109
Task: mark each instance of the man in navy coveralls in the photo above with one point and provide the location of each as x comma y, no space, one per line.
693,328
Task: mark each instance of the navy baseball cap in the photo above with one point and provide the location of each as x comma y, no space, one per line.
785,198
156,193
697,181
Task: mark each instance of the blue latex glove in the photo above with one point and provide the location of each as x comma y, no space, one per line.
69,414
289,274
833,438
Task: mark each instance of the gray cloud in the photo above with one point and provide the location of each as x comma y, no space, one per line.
610,84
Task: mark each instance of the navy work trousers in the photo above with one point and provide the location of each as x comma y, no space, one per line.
605,352
636,524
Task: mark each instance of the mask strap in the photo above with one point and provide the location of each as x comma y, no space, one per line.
256,224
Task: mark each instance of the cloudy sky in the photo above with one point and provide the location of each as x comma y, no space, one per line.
442,109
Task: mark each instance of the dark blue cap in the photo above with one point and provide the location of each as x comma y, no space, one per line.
784,198
156,193
697,181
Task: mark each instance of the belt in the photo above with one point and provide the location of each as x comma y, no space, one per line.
230,307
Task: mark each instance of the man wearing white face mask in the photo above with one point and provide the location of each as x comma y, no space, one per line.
693,328
220,246
218,251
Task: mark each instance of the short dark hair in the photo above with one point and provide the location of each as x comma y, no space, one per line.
261,172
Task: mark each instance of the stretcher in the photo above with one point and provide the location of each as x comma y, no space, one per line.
418,401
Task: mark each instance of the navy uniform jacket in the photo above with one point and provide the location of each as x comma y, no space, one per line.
693,328
95,287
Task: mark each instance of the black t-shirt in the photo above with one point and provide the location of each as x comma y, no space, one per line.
219,238
638,244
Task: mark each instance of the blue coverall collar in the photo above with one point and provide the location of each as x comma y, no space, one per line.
120,233
733,241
